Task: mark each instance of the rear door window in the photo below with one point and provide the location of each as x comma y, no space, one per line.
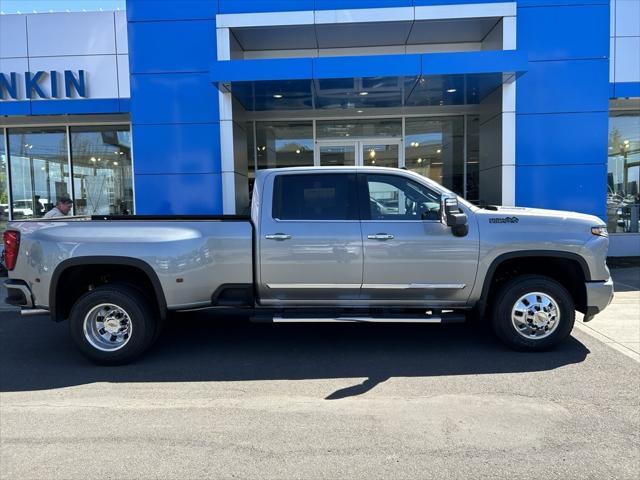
328,196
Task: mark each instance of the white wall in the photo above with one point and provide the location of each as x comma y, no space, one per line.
95,42
625,41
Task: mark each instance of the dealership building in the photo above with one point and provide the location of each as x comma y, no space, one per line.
170,107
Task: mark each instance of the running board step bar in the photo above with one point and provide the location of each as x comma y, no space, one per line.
444,318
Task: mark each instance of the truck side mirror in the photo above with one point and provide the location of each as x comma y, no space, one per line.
452,216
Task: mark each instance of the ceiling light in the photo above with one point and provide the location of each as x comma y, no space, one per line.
362,94
359,111
277,95
93,159
452,90
347,134
438,151
419,160
115,163
298,150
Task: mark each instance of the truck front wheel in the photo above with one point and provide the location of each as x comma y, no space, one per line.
112,324
533,313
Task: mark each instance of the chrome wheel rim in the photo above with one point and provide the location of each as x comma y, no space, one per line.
107,327
535,315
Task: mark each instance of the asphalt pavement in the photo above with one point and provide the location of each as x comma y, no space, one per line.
223,398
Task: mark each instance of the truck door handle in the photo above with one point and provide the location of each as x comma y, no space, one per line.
380,236
277,236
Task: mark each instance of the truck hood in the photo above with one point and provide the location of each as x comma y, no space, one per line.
541,213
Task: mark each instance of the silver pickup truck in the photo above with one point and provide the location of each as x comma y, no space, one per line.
321,245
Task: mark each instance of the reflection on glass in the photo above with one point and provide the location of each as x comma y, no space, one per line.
473,158
397,198
379,155
284,144
39,170
371,128
434,147
4,186
101,163
251,157
623,179
337,155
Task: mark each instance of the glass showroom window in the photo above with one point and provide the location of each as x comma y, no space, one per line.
434,147
39,169
473,159
4,186
102,172
623,179
284,144
365,128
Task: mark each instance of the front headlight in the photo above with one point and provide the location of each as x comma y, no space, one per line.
600,231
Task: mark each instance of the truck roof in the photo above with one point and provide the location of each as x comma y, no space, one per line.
262,174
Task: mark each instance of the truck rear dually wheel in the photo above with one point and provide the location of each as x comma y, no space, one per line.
112,324
533,313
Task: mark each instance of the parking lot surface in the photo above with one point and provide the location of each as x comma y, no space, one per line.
223,398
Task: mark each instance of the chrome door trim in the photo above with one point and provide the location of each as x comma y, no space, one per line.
313,285
405,286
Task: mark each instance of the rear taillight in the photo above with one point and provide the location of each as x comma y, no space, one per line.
11,246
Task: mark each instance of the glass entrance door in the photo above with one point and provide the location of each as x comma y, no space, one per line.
333,155
380,153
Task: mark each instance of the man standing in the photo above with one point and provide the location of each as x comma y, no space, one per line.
62,208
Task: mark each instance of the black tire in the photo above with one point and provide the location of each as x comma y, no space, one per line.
141,315
506,299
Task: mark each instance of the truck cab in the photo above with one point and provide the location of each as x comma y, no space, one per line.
360,237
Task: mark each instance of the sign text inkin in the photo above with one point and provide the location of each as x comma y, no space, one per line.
10,83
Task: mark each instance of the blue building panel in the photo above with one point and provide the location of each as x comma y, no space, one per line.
156,10
559,3
15,107
626,89
173,98
340,4
178,46
578,188
261,69
175,194
423,3
367,66
561,139
564,86
258,6
70,107
503,61
564,32
178,148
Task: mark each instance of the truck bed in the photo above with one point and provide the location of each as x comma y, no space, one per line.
192,256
